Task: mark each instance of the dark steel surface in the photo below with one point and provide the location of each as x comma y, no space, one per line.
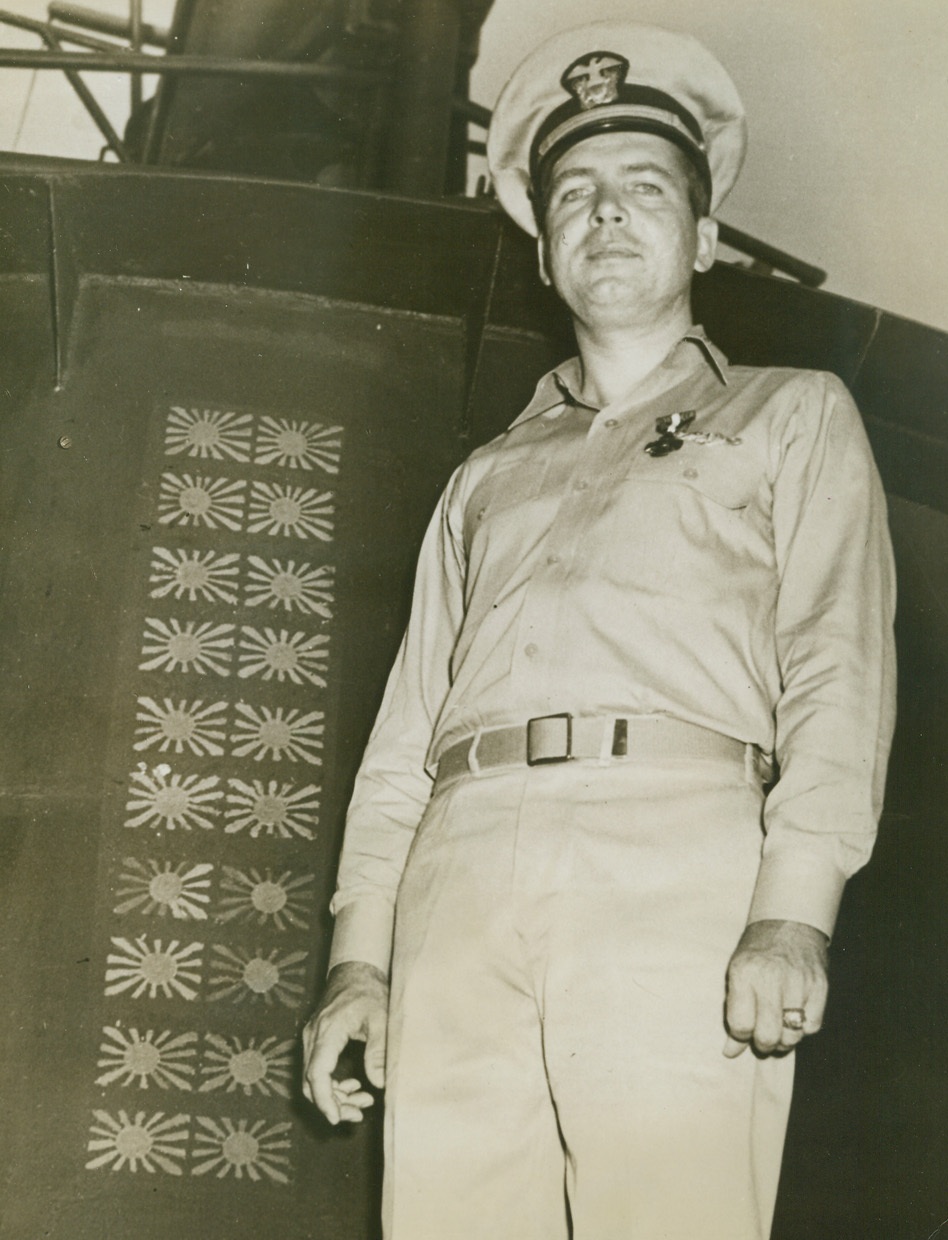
425,82
145,129
339,130
75,475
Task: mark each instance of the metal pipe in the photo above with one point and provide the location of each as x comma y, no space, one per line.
806,273
103,23
419,134
212,66
68,35
135,23
476,113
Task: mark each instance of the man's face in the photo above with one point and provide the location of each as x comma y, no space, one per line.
620,243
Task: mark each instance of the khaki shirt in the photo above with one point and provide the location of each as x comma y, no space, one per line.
743,582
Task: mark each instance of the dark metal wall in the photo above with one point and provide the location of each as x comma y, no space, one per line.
380,117
349,349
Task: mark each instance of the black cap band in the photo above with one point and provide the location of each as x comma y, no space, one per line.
634,109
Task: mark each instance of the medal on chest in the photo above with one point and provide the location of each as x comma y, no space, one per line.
673,433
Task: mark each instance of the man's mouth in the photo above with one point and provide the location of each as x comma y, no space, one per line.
613,250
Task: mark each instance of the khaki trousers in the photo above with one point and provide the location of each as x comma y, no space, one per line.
555,1061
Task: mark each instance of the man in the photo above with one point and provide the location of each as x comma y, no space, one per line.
668,572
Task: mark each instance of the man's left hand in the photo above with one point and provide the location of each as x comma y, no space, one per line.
776,987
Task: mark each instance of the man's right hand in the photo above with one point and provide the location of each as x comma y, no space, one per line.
354,1008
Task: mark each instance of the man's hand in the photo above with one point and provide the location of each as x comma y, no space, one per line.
354,1008
778,966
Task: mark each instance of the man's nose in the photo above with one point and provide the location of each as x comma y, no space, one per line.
608,208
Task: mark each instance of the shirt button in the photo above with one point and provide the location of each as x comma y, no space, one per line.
691,473
480,513
552,559
611,422
531,651
581,485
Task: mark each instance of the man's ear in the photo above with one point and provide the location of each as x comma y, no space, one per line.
541,260
707,243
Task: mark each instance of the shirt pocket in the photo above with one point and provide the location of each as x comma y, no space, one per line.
692,529
721,476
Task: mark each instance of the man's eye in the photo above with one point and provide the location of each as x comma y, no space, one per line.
574,193
647,188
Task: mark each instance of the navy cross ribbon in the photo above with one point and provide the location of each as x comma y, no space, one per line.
673,432
668,427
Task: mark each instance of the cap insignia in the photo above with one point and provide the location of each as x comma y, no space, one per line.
595,79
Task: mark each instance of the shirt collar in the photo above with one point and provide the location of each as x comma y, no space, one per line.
562,385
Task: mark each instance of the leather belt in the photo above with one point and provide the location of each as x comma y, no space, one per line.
564,738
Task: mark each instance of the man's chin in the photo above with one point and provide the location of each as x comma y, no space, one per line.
613,288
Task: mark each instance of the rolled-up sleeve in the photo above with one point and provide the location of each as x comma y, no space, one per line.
392,787
835,605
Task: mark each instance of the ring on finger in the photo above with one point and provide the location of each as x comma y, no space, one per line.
794,1019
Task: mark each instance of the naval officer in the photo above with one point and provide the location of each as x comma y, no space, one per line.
634,741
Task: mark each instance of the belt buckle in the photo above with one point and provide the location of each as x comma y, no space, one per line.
549,739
